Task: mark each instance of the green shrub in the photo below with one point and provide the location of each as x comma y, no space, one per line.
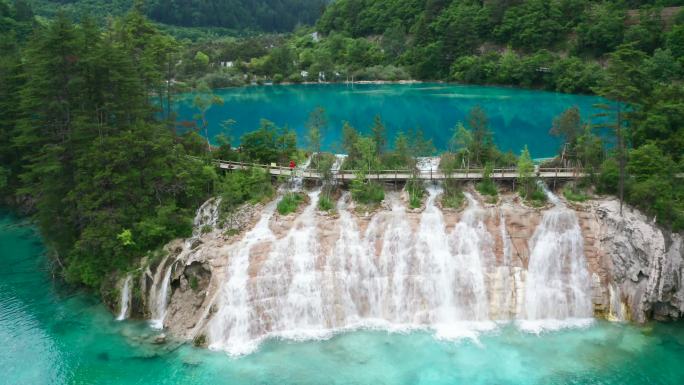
194,284
243,186
200,340
453,199
290,203
325,204
574,195
487,185
416,191
367,192
536,197
608,177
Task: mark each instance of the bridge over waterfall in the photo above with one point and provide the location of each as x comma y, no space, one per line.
498,174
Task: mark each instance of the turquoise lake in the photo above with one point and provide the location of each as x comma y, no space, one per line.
518,117
52,335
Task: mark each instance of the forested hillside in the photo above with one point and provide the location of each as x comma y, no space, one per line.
503,41
84,147
237,15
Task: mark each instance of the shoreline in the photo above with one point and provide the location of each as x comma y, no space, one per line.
393,82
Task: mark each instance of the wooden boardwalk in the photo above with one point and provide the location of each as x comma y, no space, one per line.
501,174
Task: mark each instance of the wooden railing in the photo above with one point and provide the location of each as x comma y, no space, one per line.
397,175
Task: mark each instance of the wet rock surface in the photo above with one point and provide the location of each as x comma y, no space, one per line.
635,268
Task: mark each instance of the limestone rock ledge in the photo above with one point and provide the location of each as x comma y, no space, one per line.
636,267
644,264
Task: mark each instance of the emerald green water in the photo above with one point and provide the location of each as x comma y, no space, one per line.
518,117
50,335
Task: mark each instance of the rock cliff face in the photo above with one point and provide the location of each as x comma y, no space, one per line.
643,263
631,267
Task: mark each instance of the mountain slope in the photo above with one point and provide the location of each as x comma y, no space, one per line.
256,15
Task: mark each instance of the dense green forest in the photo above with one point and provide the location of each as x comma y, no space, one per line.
81,146
233,15
90,147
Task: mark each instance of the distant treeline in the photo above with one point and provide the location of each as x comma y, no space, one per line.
254,15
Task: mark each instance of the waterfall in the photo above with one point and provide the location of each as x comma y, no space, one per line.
297,177
284,300
390,282
406,270
427,164
337,165
439,268
342,275
229,328
160,295
558,289
125,301
472,248
206,215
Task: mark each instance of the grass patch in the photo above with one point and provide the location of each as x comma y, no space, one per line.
290,203
416,191
535,198
574,195
325,203
232,232
453,199
194,284
487,187
367,192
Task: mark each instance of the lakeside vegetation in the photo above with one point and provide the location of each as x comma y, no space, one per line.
90,146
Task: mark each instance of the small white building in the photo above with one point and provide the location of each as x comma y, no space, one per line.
227,64
305,74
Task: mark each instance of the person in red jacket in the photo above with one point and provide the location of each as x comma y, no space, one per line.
292,165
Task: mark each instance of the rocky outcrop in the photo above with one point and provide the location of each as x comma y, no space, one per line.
644,263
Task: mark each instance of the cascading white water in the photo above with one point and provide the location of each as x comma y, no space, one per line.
472,247
160,295
285,297
206,216
125,301
233,321
558,288
401,273
427,164
297,179
452,278
337,164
